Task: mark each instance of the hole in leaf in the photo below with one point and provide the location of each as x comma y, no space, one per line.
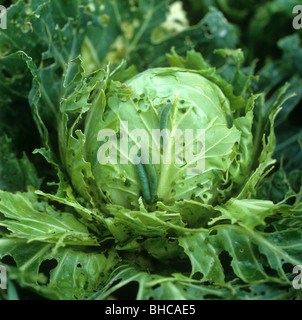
127,292
198,276
156,286
45,268
213,233
269,229
48,62
226,260
287,268
9,260
264,262
59,71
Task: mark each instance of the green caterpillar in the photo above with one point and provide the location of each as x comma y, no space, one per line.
163,123
147,177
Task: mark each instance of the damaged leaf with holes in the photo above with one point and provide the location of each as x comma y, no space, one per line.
140,153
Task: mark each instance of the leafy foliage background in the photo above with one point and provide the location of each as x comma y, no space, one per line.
64,255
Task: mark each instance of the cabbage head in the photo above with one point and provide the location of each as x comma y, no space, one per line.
164,136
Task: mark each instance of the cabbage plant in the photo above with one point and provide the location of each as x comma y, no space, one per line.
148,187
163,136
169,104
153,169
